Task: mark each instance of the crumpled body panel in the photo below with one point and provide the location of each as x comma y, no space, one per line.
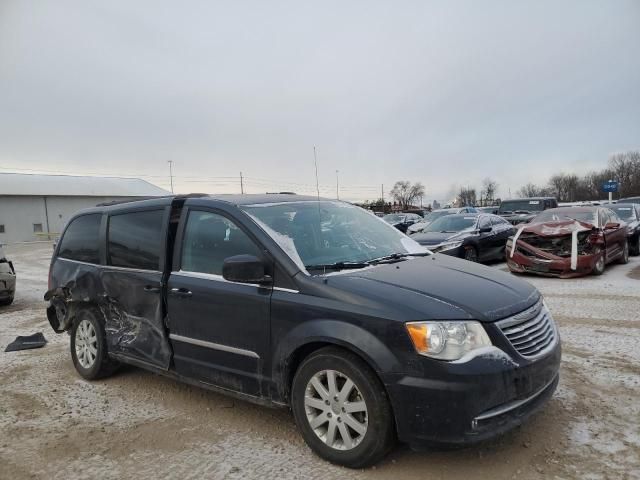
133,317
562,249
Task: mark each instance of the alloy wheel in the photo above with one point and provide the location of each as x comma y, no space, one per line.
86,343
336,410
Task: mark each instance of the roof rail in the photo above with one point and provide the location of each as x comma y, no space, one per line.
139,199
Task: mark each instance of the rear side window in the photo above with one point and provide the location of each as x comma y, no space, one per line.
135,240
81,239
209,239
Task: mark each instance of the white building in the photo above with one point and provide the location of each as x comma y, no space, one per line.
32,206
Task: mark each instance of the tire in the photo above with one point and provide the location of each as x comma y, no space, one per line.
89,347
471,254
634,248
624,258
598,268
6,302
367,399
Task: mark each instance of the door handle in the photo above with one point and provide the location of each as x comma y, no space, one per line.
151,289
180,292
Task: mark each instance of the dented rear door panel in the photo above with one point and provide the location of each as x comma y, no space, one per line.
128,301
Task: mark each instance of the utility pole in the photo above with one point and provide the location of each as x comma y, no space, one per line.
382,197
171,174
337,187
241,184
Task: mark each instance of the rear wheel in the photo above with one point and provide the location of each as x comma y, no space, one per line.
471,254
598,268
624,258
634,248
342,409
89,347
6,301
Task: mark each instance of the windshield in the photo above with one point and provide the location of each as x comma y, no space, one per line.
393,218
625,213
526,205
326,232
452,223
435,215
562,216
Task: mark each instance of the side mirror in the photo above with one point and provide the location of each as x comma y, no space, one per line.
485,229
611,226
245,269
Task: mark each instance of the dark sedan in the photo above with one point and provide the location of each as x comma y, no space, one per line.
630,213
476,237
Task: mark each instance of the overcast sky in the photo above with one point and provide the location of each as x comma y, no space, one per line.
446,93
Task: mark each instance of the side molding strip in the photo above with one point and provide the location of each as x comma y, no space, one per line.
213,346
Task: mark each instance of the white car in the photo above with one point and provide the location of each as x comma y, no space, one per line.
420,226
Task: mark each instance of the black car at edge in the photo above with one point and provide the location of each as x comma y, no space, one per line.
310,304
476,237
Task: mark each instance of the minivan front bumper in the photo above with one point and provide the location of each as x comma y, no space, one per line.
465,403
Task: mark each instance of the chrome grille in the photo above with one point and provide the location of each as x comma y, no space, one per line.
531,332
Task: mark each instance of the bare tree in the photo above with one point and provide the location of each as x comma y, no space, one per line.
625,168
489,189
467,196
532,190
405,193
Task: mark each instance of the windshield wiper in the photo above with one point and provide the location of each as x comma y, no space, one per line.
394,257
521,211
336,266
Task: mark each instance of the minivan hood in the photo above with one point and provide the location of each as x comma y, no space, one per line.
440,287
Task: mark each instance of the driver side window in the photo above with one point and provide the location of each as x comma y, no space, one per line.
209,239
484,223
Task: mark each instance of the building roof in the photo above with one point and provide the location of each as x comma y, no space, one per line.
69,185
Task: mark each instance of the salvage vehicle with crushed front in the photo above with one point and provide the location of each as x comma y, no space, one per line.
475,237
630,214
569,242
7,280
523,210
311,304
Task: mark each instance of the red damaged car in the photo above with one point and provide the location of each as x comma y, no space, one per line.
568,242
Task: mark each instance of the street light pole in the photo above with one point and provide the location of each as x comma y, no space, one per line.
337,187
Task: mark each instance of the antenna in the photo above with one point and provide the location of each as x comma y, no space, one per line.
171,174
315,160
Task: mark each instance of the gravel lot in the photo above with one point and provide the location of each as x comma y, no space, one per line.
55,425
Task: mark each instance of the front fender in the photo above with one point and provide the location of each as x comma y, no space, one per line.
334,332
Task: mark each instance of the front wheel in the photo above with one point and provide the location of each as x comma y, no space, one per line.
89,347
342,409
598,268
624,258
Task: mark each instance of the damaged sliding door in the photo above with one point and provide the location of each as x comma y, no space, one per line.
132,281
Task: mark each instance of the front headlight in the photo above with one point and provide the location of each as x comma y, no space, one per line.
447,340
446,246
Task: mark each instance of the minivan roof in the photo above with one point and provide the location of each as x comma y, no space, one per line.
528,198
236,199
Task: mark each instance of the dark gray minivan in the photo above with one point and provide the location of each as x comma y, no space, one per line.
310,304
